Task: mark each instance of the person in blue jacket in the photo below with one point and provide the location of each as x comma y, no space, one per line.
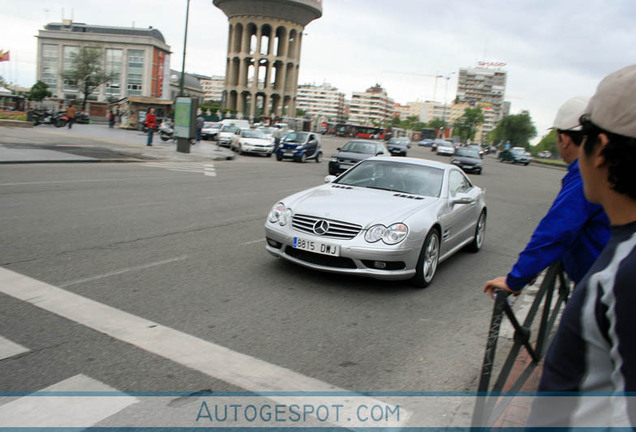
574,230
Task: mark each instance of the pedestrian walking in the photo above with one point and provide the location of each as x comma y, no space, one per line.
151,125
70,115
111,119
574,230
594,349
200,123
278,134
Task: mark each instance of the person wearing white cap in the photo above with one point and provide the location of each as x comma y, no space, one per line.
574,230
594,349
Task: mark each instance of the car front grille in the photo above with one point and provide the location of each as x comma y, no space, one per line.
337,229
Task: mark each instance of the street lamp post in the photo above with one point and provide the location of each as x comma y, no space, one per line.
447,77
185,42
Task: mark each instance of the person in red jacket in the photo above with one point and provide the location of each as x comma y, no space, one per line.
151,124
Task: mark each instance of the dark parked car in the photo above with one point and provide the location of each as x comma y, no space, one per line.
467,159
300,146
354,152
398,146
514,155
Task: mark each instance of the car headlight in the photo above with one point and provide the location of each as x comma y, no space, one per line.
280,214
391,235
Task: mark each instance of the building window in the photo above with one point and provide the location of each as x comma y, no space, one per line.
50,65
69,53
135,72
114,58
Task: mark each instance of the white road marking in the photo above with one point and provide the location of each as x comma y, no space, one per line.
193,167
10,349
214,360
124,270
50,182
64,411
252,242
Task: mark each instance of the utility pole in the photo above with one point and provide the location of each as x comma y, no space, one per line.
185,42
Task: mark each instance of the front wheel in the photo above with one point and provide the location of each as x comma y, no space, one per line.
427,263
303,158
164,137
480,234
279,157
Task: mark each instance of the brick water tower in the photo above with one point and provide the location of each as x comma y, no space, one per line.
263,54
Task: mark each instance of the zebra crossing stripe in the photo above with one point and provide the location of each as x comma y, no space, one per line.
10,349
65,410
238,369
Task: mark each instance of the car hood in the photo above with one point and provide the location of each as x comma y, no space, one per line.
352,156
357,205
256,141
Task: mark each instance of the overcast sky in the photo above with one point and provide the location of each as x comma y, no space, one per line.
553,49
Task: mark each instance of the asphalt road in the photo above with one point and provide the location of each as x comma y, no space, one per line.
182,245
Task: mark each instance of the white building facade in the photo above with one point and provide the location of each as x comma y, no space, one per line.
372,107
138,58
322,102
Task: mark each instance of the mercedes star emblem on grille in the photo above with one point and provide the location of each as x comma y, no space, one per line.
321,227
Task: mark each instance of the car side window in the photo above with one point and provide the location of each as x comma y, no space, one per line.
458,183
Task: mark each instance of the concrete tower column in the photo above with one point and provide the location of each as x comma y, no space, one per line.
284,21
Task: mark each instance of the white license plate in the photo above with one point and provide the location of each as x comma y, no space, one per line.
316,246
288,154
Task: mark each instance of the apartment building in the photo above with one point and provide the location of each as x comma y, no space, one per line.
212,87
138,57
371,107
484,86
323,102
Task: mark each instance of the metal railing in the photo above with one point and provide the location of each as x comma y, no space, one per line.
490,405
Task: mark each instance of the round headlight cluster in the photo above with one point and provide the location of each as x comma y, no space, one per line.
280,214
391,235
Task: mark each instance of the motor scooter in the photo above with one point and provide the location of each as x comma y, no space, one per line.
166,133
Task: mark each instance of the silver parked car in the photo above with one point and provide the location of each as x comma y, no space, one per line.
386,218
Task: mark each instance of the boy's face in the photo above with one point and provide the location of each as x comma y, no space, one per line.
592,172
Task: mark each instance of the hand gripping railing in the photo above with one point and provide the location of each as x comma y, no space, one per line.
490,405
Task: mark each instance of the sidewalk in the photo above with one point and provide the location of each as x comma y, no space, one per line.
129,143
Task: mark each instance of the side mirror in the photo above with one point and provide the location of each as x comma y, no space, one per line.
462,199
330,178
339,149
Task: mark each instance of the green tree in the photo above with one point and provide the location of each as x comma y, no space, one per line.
518,128
87,71
437,124
466,126
300,113
412,123
548,142
39,91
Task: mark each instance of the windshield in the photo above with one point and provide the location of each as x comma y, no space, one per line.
229,128
396,177
253,134
467,152
296,137
360,147
518,150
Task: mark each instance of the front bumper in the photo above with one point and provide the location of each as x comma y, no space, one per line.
397,151
357,257
249,148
